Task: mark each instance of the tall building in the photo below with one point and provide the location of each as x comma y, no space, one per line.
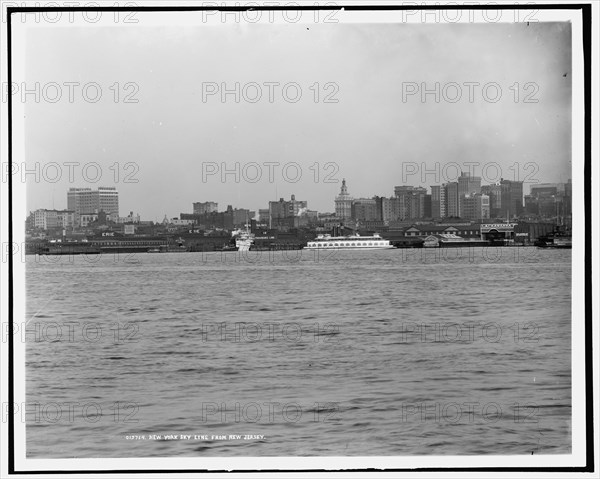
365,209
455,191
206,207
343,203
427,206
549,200
512,198
475,207
108,201
495,194
242,216
452,200
82,200
412,199
85,201
392,209
286,209
438,201
468,185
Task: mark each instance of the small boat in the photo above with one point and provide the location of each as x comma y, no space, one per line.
558,239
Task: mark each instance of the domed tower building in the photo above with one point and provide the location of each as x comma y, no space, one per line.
343,203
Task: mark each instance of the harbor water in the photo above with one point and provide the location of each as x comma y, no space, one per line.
357,353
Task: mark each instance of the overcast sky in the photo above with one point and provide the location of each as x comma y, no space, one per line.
372,133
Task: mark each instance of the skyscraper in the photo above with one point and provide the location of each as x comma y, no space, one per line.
412,199
392,209
468,185
475,207
87,201
365,209
512,197
452,198
495,194
438,201
108,201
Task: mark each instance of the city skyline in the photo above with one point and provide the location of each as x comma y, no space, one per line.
371,127
206,206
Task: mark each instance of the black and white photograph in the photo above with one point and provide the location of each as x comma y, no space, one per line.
311,236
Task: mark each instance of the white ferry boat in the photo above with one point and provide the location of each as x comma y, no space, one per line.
349,242
243,239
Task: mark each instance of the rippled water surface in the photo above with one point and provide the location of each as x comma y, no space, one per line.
394,352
